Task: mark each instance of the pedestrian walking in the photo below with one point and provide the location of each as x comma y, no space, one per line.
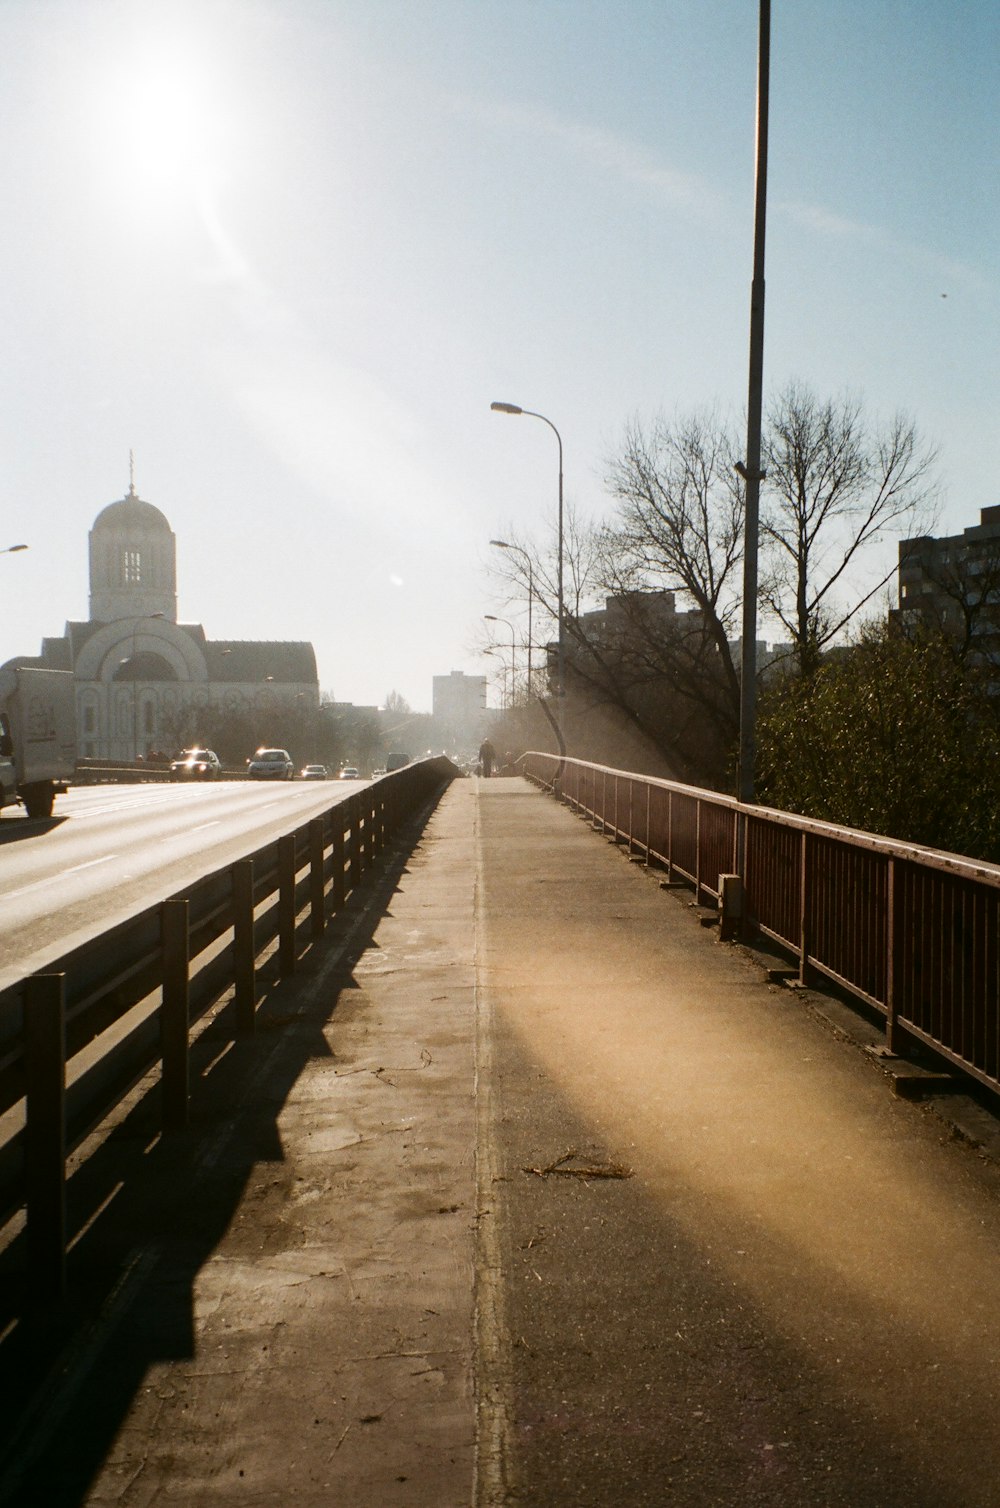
487,754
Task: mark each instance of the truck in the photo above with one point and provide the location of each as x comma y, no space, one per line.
37,736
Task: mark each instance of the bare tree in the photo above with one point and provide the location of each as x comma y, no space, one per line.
837,486
678,528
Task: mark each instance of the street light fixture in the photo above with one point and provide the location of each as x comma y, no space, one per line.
513,408
490,618
501,544
494,649
12,549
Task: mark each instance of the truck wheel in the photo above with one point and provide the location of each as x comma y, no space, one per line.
38,800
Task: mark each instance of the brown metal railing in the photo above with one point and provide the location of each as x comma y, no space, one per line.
913,932
127,1002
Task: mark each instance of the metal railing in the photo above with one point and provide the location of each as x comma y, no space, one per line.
913,932
76,1039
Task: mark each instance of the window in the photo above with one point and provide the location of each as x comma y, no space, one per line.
90,719
133,567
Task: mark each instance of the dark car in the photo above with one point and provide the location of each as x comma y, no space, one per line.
196,764
271,764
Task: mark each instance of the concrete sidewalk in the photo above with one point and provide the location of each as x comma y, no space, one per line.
537,1194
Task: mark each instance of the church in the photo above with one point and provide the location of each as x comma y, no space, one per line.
148,685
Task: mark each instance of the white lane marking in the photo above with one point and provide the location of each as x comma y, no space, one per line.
104,859
214,823
10,895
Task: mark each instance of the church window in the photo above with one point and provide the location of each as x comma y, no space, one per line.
133,568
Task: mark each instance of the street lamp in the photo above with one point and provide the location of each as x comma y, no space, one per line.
490,618
501,544
494,650
513,408
12,549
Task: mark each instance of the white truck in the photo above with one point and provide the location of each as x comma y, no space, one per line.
37,737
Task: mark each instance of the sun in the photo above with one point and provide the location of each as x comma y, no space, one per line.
162,124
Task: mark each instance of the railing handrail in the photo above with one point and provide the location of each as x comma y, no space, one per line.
913,932
896,848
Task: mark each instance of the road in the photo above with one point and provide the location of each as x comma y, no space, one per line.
110,850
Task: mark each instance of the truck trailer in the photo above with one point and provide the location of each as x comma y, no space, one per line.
37,737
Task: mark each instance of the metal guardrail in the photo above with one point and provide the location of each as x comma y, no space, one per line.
913,932
76,1039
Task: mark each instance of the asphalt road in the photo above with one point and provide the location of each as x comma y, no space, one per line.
109,850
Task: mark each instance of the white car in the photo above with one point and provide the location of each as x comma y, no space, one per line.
196,764
350,772
314,772
271,764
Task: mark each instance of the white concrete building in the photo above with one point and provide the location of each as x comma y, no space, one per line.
146,683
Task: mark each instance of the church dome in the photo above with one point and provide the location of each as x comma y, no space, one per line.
131,512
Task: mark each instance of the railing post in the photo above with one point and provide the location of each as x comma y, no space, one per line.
893,935
45,1133
316,885
174,1016
244,950
805,908
174,1012
286,905
697,851
337,817
357,859
649,821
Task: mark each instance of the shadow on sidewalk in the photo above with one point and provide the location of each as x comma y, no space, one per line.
150,1208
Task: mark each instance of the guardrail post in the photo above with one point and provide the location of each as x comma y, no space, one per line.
380,819
649,823
893,933
286,905
45,1133
805,909
244,950
357,859
174,1018
316,885
337,817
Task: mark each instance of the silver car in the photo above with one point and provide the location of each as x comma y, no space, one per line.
271,764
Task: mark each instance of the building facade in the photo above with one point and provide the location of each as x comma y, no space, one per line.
146,684
953,584
459,709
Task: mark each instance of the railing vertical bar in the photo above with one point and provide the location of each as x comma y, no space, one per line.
317,888
244,949
357,859
45,1133
286,905
175,1016
339,888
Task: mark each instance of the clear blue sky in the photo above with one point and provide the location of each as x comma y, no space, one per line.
288,251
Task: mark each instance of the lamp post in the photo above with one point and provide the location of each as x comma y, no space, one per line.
490,618
501,544
503,670
513,408
750,469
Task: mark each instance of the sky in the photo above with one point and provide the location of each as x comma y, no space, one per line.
287,252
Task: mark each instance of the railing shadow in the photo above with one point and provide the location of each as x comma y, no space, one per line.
152,1207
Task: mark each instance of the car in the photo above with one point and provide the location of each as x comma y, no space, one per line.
350,772
271,764
196,764
313,772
